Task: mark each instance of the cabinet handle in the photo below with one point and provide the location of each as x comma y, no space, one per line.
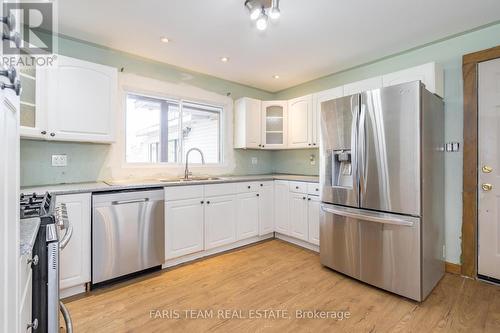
257,194
262,146
52,134
202,202
13,37
9,21
308,199
9,73
16,86
261,185
308,144
208,202
33,261
249,186
296,187
43,132
303,198
33,325
314,144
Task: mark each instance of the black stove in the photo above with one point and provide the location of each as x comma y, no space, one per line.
35,205
46,248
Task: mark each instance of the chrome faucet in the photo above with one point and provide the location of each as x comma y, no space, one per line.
186,171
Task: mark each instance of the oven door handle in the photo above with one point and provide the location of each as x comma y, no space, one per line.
67,317
67,235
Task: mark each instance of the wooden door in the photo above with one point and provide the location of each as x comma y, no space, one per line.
489,169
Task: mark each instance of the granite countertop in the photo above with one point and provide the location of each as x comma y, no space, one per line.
28,231
115,185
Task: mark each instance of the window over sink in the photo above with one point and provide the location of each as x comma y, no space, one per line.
160,130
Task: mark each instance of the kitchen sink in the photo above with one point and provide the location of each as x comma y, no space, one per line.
191,179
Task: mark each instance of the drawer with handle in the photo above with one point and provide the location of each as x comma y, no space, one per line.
313,188
298,187
248,187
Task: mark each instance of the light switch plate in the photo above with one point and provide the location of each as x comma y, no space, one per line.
59,160
254,160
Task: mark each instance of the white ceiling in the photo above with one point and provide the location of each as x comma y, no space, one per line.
312,39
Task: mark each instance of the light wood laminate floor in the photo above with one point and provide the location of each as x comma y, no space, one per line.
275,275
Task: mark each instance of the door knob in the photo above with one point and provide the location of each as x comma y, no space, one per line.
487,187
487,169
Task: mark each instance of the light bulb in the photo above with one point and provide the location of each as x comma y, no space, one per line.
255,13
261,23
275,13
275,10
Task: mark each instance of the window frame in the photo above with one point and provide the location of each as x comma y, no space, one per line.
216,106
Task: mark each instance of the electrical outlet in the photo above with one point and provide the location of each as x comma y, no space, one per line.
312,159
254,160
59,160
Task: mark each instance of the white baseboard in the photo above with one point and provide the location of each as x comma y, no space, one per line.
298,242
72,291
201,254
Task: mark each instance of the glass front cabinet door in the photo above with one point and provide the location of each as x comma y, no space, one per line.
274,124
32,118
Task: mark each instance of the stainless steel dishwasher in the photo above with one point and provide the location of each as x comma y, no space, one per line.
127,233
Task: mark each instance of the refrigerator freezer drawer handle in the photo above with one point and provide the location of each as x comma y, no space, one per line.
378,219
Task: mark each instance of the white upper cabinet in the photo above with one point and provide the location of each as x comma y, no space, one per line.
247,123
33,103
300,122
364,85
319,98
430,74
274,124
81,101
296,123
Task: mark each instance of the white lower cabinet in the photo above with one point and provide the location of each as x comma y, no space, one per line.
183,227
313,203
298,216
281,207
266,208
220,221
75,257
206,219
247,215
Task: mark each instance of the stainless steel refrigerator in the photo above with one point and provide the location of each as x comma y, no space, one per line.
382,188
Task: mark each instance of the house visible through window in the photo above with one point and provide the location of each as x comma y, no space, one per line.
162,130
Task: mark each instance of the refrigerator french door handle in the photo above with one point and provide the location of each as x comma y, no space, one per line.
362,148
370,216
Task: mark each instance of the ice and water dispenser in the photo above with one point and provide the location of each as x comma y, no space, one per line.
342,169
